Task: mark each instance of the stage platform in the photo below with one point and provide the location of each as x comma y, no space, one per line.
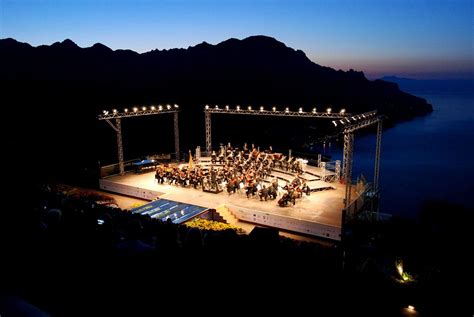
318,214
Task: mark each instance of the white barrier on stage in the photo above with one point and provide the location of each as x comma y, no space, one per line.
286,223
128,190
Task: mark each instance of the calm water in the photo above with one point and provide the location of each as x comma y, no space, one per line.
431,157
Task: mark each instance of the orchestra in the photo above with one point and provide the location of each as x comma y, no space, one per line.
246,170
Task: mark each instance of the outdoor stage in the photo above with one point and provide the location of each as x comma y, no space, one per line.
319,214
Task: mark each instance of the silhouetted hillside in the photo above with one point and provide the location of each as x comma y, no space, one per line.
258,70
60,89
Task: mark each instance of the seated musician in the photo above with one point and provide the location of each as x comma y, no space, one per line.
263,193
305,189
296,181
213,157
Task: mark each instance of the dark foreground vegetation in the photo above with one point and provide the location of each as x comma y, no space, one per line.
57,256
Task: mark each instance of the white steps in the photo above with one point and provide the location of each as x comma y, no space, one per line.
229,218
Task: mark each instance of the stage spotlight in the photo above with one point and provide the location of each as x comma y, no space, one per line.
411,307
153,108
238,108
363,115
314,110
207,107
354,118
328,110
300,110
335,123
168,107
287,109
226,107
143,108
342,122
125,110
261,108
160,107
217,107
249,108
342,111
104,111
274,109
114,111
176,106
348,121
135,109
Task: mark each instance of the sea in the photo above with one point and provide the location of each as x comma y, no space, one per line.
427,158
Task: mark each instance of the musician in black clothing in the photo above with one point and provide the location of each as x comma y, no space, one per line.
213,178
305,189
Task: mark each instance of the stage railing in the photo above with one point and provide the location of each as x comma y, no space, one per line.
311,157
357,203
114,169
305,155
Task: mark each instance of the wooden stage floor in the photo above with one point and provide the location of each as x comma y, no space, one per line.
323,207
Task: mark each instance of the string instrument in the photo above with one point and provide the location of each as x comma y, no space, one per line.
255,153
248,178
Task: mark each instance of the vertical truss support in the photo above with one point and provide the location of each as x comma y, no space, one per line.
198,153
377,156
375,199
319,160
118,129
337,170
176,135
208,132
347,165
347,152
322,166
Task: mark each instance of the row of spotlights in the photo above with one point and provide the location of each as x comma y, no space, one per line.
300,110
135,109
354,118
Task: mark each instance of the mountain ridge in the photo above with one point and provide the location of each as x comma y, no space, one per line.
258,69
61,88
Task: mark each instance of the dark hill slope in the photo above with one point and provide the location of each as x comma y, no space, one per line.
51,96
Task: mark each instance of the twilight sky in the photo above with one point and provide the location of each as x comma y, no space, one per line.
412,38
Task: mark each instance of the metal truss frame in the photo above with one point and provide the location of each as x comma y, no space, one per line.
328,114
349,124
137,112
